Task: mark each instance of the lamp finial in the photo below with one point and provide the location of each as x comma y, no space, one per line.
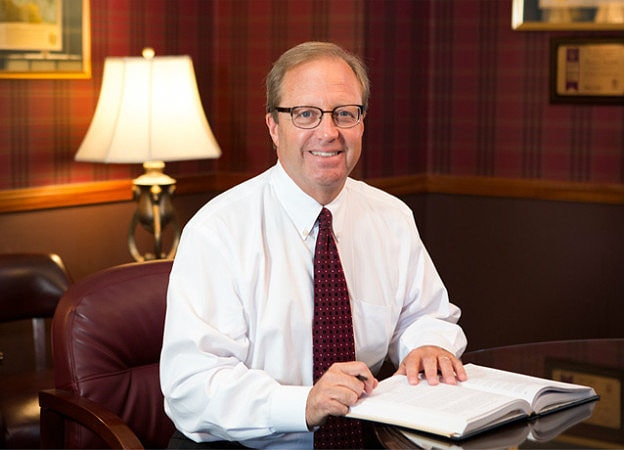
148,53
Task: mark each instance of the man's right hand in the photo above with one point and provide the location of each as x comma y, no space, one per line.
339,388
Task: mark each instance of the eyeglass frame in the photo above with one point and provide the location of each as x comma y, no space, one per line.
323,112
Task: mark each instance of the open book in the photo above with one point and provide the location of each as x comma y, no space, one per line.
489,398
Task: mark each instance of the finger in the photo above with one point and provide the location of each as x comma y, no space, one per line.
360,374
447,369
369,380
345,397
362,384
327,398
430,366
369,383
412,372
353,377
333,407
460,372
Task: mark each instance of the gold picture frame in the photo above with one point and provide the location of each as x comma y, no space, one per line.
55,42
589,15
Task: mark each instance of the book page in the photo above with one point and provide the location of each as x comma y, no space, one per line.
449,410
493,380
539,392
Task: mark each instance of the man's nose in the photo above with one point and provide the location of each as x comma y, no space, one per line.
327,126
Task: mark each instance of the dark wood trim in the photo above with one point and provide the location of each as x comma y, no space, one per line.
503,187
58,196
610,193
77,194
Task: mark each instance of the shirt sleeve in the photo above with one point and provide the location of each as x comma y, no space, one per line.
210,392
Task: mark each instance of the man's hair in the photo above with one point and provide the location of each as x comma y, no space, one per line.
305,52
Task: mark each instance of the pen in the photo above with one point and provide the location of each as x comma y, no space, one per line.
362,378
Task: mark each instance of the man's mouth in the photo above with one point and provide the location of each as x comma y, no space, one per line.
324,154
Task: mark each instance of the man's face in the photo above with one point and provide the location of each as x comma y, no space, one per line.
318,159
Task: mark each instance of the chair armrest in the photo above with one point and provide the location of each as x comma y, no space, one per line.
58,405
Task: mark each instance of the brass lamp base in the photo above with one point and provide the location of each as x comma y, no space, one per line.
155,211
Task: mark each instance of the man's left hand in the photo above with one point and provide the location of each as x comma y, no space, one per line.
435,362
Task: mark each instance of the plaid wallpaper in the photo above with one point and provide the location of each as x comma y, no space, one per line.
455,90
489,103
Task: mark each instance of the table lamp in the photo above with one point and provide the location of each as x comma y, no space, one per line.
149,111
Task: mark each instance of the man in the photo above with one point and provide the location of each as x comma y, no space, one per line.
237,358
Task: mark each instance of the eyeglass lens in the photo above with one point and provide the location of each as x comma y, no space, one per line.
310,117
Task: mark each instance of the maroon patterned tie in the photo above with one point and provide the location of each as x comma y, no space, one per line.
332,331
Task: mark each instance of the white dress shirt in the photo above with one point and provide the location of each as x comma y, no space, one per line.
237,353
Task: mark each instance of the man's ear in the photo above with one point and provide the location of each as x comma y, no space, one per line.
272,125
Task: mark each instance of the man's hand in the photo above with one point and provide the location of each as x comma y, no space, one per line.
433,361
340,387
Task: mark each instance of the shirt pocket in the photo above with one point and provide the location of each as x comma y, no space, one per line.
373,327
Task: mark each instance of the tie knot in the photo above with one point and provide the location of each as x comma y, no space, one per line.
325,219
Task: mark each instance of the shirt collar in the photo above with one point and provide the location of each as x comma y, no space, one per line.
338,210
302,209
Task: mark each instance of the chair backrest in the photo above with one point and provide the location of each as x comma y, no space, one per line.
106,335
31,286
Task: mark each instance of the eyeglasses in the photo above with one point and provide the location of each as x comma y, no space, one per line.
307,117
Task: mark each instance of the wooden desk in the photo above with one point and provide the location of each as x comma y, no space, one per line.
598,363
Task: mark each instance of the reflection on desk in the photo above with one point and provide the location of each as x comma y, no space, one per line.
598,363
541,430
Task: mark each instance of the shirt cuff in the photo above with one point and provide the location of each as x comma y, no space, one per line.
446,335
288,406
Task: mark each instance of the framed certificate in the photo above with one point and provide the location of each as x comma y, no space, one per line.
587,70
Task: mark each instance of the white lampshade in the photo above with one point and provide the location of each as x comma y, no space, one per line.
149,110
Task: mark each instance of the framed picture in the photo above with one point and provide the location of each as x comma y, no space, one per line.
606,423
45,39
587,70
567,15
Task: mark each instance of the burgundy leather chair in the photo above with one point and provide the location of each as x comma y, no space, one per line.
30,287
106,336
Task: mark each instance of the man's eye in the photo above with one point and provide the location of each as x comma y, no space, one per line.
306,113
